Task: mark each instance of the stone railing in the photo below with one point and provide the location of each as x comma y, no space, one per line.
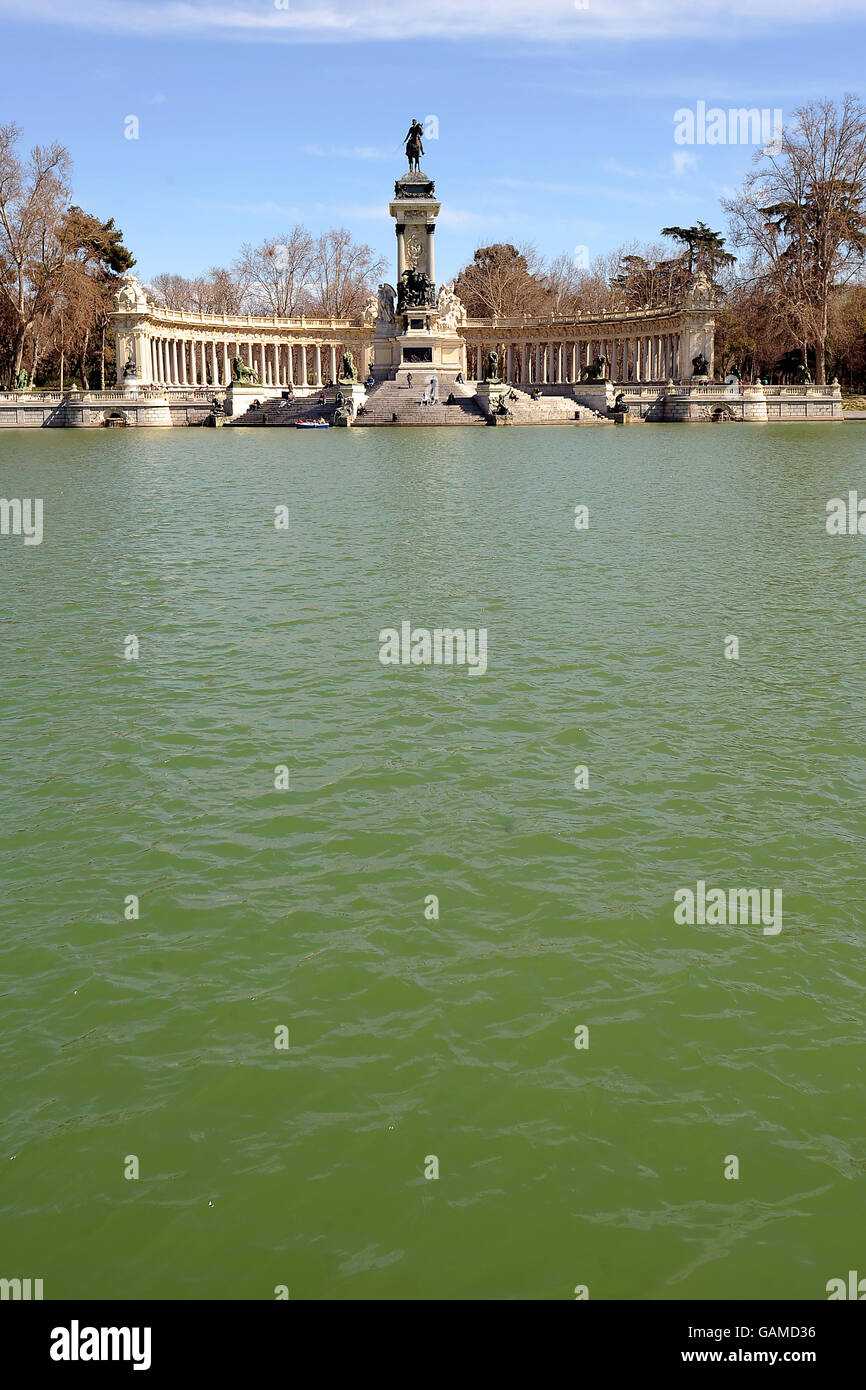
35,397
713,389
195,319
580,321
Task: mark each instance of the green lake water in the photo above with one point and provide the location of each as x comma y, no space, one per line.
305,908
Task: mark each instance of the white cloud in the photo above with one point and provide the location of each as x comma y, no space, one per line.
334,20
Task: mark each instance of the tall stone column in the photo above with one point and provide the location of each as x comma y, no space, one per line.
510,363
302,365
291,364
332,351
318,359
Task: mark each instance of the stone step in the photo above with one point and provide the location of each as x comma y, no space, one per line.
389,398
272,414
549,410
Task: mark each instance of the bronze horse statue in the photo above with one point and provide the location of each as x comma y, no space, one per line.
414,148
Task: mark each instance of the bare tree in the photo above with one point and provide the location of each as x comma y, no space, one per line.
218,292
276,272
800,213
34,195
343,274
504,280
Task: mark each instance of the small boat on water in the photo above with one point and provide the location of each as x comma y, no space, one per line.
312,425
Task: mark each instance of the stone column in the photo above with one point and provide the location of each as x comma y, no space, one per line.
332,351
318,356
400,229
291,364
302,365
510,363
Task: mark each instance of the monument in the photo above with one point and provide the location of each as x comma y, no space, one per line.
414,328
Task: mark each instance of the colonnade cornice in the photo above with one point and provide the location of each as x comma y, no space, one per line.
632,321
177,319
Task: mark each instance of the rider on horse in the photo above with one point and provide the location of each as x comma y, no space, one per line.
414,148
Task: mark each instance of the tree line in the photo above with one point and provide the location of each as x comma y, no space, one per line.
60,268
793,300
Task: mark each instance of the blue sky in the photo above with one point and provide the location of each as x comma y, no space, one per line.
556,120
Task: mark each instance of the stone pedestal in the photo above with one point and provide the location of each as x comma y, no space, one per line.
239,398
488,395
354,394
132,385
597,395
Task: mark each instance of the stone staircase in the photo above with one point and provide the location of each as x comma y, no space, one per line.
277,412
550,410
390,398
394,397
